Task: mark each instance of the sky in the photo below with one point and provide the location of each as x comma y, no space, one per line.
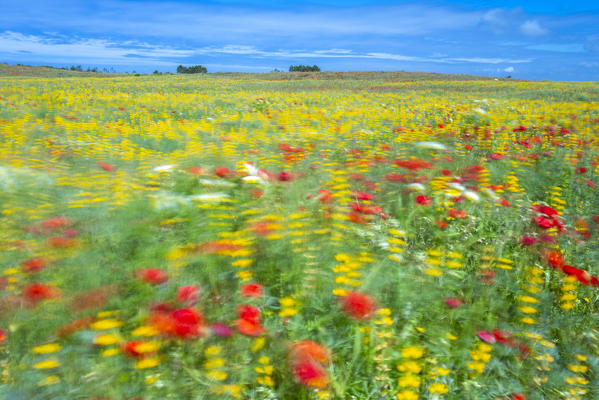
537,40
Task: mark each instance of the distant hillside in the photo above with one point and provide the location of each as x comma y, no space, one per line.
390,76
43,71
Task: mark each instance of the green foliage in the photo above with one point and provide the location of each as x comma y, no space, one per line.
304,68
196,69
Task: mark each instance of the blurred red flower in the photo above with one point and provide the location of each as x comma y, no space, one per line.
358,305
253,290
154,276
423,200
38,291
33,265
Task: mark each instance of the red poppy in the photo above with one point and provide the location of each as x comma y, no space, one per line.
517,396
248,328
453,302
154,276
423,200
486,337
285,176
310,373
414,164
456,213
188,295
105,166
130,348
358,305
554,258
38,291
581,170
61,242
2,336
222,172
249,321
394,177
528,240
325,196
56,223
363,195
187,323
196,170
253,290
307,349
33,265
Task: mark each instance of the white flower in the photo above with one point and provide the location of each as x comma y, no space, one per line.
211,197
469,194
419,187
216,182
431,145
164,168
456,186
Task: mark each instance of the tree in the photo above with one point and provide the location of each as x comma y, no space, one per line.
196,69
304,68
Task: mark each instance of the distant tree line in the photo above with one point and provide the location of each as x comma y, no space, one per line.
196,69
304,68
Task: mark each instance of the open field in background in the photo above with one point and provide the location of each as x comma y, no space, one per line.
252,236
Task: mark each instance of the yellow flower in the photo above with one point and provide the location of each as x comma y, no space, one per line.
438,388
111,352
147,347
107,339
476,366
212,351
46,348
407,395
258,344
106,324
49,380
410,366
217,375
443,371
412,352
528,310
213,363
433,272
149,362
409,380
264,360
47,364
145,330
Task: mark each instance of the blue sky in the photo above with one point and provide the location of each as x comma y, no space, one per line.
530,40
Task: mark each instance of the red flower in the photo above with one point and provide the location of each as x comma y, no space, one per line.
222,172
311,374
38,291
363,195
56,223
358,305
130,348
187,323
455,213
154,276
528,240
517,396
394,177
554,258
248,328
581,170
196,170
486,337
187,295
105,166
307,349
423,200
249,321
33,265
414,164
253,290
453,302
285,177
61,242
2,336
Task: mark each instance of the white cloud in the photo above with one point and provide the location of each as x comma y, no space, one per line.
88,50
508,69
532,28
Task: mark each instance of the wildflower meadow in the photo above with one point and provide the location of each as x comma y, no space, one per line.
334,236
